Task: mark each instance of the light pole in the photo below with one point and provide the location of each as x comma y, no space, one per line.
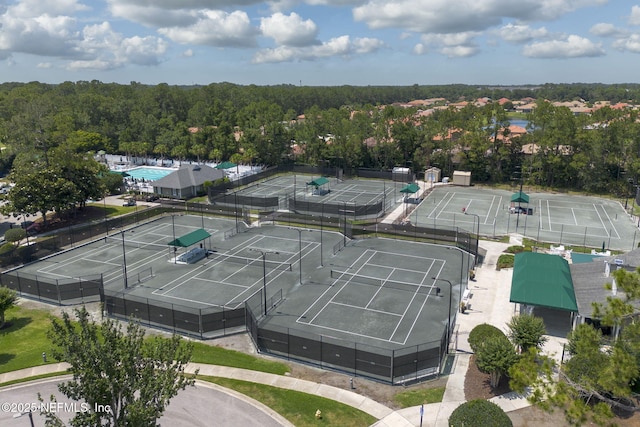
449,315
106,225
344,212
124,260
300,230
461,266
264,274
478,232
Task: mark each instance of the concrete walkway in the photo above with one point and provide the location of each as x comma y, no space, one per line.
489,303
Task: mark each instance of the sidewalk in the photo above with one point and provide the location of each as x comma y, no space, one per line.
489,299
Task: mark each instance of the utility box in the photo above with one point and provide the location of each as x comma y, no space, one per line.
462,178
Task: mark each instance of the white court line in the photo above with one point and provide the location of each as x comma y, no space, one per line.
540,213
575,220
493,199
601,221
415,319
367,309
404,315
610,222
375,294
343,286
435,209
415,294
549,215
303,315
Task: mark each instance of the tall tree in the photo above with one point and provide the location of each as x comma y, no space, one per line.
129,380
526,331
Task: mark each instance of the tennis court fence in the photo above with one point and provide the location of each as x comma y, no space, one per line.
397,366
54,291
203,323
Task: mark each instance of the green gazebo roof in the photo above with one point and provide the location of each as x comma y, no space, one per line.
318,182
226,165
520,197
190,238
410,188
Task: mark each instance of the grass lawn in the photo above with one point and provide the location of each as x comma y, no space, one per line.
407,399
297,407
203,353
24,341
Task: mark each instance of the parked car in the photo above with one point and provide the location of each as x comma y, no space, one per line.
152,198
129,202
34,228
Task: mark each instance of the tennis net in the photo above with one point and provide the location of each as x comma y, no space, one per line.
137,244
383,283
256,262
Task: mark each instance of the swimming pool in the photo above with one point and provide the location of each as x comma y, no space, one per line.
579,258
148,173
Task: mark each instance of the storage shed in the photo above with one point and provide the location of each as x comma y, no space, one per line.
402,174
432,175
461,178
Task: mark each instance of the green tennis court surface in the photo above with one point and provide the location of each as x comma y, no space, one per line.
557,218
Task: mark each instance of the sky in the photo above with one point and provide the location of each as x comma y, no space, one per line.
321,42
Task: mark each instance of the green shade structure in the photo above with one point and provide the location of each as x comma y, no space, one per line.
226,165
190,238
543,280
520,197
318,182
410,188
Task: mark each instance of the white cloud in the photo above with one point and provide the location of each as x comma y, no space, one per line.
451,45
572,47
519,33
104,49
289,30
339,46
446,16
34,28
187,53
420,49
629,44
215,28
154,16
607,30
634,18
35,8
459,51
45,65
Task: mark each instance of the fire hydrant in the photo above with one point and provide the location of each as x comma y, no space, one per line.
318,414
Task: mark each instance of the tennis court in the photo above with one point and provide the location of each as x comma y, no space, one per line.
377,290
315,194
551,217
381,292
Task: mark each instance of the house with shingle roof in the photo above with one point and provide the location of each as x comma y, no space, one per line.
186,182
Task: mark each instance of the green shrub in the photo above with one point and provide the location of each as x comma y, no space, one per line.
15,234
515,249
6,249
505,261
479,413
481,334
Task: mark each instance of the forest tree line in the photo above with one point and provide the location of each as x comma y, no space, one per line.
344,126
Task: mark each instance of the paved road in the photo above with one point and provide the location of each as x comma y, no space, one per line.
202,405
